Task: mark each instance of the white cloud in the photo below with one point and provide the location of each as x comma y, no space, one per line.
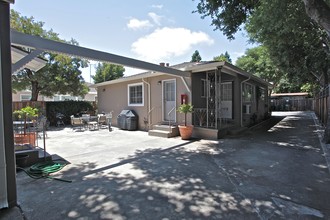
136,24
157,6
156,18
166,43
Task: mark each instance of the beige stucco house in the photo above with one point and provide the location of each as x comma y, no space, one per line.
224,97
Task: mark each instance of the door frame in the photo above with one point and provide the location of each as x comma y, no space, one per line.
163,99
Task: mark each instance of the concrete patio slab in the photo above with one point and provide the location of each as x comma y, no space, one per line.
277,171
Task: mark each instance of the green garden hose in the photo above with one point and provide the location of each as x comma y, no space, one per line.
44,169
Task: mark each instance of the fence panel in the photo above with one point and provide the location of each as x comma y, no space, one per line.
321,102
41,105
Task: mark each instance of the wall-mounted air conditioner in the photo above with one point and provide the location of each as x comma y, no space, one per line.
247,109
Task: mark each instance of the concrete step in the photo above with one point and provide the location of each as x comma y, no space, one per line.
164,131
163,127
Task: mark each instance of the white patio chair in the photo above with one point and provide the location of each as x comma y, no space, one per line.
77,122
102,120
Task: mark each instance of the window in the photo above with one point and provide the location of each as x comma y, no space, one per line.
135,94
248,93
227,91
246,109
25,97
203,88
262,94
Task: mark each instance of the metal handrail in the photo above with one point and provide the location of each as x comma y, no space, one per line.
169,122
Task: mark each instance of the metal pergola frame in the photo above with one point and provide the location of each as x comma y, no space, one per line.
10,37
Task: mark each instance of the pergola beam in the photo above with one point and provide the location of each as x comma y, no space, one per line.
36,42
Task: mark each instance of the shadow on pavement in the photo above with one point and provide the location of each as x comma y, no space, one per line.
265,174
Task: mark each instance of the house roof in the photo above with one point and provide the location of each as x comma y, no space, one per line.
192,67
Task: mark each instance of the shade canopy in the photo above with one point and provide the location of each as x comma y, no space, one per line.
18,55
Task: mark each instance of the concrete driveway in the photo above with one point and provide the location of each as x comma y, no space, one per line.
277,171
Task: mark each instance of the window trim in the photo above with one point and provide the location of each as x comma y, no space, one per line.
252,95
128,94
21,95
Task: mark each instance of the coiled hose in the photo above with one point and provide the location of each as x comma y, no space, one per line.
44,169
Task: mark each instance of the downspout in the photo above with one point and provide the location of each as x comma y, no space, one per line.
185,84
219,104
188,89
242,98
149,102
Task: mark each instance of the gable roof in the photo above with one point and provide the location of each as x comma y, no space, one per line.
192,67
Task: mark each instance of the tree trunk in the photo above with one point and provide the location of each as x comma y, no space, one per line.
319,11
34,90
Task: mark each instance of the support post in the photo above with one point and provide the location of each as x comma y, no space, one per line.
6,121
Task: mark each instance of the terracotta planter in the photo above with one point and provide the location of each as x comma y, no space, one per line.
28,138
186,131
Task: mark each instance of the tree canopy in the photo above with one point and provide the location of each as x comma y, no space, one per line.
298,47
257,61
196,57
230,16
223,57
108,71
61,75
295,43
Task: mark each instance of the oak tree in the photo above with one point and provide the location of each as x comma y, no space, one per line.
61,75
107,71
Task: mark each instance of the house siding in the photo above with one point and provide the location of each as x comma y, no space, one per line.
114,98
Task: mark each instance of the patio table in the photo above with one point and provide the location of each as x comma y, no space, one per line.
91,122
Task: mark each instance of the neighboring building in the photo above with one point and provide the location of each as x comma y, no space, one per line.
291,101
26,96
224,97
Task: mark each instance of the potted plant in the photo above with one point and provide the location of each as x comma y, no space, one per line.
26,113
185,130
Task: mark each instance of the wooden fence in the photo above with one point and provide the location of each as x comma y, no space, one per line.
321,102
305,104
41,105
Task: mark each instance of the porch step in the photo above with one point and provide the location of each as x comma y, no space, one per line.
164,131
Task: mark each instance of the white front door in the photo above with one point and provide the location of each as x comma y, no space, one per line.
169,100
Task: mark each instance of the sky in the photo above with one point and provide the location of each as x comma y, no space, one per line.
154,31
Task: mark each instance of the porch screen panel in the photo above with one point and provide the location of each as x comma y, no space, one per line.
211,99
226,100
